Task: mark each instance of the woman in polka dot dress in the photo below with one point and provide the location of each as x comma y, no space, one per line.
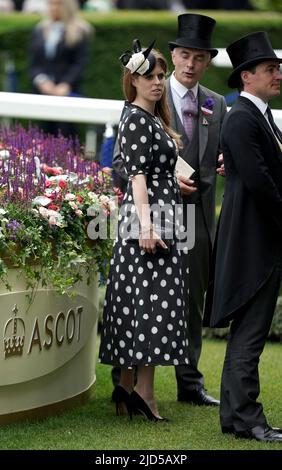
144,322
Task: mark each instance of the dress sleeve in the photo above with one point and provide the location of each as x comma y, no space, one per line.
136,144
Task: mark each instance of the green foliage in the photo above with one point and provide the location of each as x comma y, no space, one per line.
56,255
55,224
114,33
274,5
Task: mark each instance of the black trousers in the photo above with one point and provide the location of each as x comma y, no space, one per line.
240,378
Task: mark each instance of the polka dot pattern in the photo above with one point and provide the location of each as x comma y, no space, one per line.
144,320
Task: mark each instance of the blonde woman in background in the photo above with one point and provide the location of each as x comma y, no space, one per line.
59,53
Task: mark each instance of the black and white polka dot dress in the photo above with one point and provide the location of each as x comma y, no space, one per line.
143,320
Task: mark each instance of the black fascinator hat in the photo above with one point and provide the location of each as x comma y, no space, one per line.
138,60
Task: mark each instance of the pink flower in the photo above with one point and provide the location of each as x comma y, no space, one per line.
52,220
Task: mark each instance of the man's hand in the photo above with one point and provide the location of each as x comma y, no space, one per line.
186,185
221,170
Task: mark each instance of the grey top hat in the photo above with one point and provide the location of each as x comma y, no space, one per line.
195,31
247,52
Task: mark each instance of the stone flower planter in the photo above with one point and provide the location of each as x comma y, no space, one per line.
47,350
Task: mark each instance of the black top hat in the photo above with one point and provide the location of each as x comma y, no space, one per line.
247,52
141,61
195,31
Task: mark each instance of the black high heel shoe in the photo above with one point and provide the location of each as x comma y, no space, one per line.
138,404
122,400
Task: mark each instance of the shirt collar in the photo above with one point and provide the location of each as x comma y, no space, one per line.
180,89
260,104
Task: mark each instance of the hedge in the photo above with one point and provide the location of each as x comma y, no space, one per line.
114,33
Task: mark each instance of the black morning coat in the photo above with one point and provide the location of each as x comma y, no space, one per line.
249,234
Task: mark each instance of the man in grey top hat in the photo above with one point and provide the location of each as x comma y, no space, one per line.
247,260
197,114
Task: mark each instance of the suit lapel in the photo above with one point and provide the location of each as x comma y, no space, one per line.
203,125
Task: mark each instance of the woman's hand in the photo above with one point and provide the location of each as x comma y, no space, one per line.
149,240
62,89
47,87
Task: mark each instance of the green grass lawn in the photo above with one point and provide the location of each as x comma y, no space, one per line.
95,426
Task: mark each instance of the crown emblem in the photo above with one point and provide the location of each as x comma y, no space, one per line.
13,342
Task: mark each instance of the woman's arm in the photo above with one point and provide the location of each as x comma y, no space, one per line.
148,239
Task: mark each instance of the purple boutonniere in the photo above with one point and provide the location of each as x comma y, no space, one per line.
207,106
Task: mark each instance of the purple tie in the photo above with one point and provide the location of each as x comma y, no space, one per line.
189,113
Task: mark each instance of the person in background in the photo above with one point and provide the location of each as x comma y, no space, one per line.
144,321
247,261
18,4
58,55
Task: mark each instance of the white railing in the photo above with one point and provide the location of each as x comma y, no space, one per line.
58,108
222,58
83,110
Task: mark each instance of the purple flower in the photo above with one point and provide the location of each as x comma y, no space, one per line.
13,227
208,103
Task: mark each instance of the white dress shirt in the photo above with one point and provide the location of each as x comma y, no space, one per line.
258,102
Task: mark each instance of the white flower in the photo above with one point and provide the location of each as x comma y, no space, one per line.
41,201
104,199
2,211
135,63
4,154
70,197
51,212
58,178
78,212
93,196
73,205
43,211
112,205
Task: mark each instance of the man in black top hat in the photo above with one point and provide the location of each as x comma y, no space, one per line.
195,106
246,269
